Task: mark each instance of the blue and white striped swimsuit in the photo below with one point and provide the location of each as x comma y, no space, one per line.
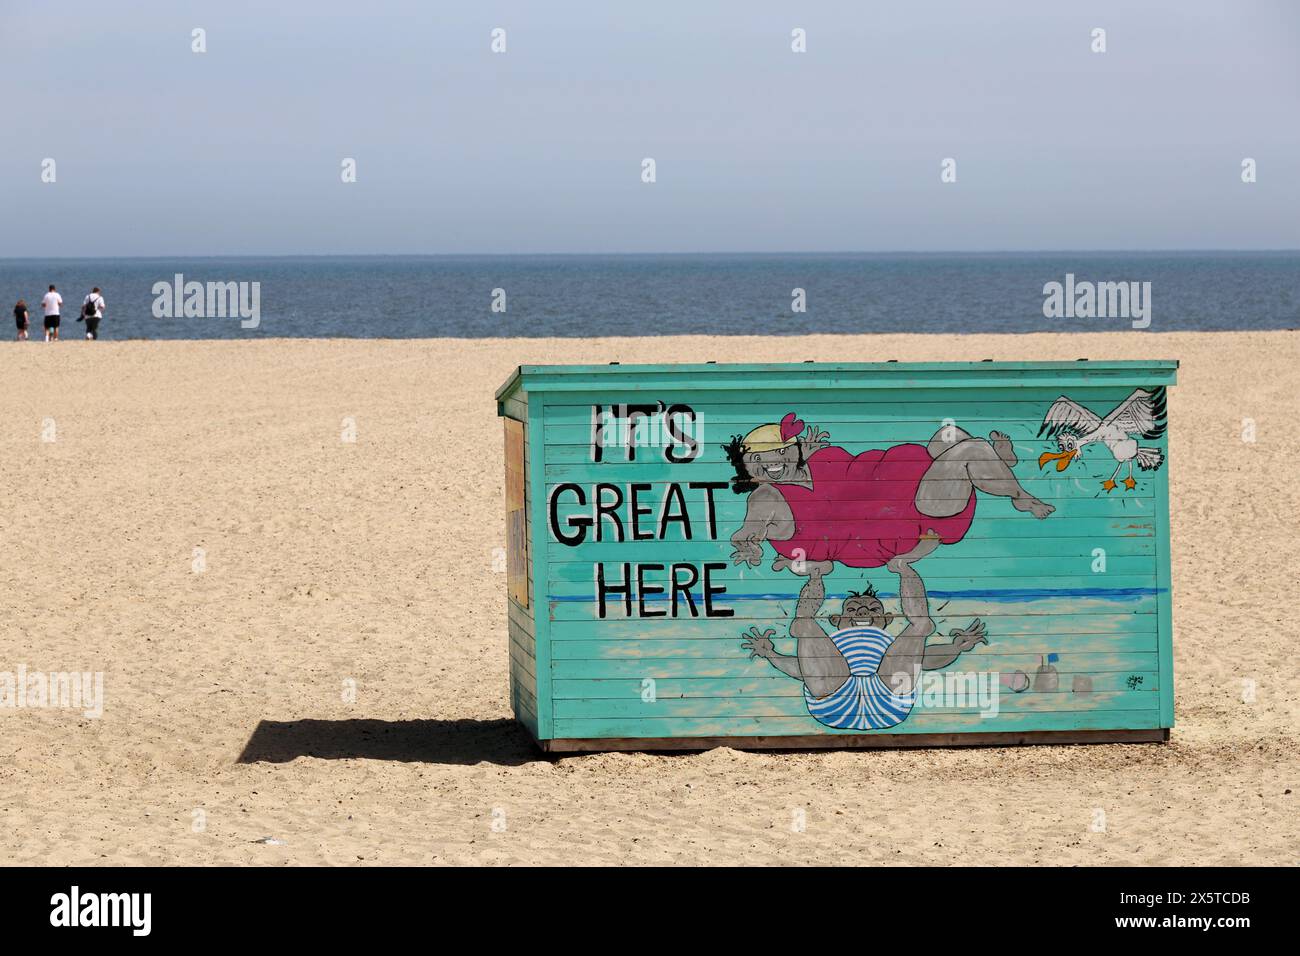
864,701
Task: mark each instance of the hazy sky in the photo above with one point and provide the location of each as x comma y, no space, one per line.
162,151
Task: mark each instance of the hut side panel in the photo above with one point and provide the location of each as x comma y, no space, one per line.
520,600
1045,594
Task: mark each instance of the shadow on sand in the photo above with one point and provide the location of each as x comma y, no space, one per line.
501,742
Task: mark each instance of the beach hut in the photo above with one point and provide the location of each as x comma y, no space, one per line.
838,555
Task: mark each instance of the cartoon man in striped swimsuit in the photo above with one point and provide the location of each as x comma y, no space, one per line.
859,677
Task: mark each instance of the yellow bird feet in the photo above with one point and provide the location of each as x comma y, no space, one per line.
1129,483
1109,484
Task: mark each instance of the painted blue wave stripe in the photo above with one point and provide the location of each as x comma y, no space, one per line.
1001,594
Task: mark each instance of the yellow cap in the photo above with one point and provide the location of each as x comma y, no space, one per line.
767,438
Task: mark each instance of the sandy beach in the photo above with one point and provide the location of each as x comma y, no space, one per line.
329,667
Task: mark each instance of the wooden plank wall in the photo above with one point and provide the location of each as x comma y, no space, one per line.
520,599
1092,640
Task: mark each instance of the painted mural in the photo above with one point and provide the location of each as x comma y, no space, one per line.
1141,415
814,551
818,505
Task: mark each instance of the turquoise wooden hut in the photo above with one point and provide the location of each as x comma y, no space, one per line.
838,555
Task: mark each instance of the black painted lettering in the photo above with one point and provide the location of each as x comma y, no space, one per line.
632,415
580,522
603,589
636,510
597,432
709,487
710,591
610,510
673,493
642,589
680,438
684,587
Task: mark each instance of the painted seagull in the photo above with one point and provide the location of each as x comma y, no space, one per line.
1141,415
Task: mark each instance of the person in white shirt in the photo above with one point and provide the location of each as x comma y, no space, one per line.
92,310
52,303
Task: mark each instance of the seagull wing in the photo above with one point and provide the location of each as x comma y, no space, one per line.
1067,413
1142,413
1149,459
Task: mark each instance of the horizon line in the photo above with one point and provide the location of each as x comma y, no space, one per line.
697,253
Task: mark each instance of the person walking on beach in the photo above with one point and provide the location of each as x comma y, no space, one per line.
21,319
52,303
92,310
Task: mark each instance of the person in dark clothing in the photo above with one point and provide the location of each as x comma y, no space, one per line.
21,319
92,310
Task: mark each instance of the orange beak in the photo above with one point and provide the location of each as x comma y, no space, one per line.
1062,458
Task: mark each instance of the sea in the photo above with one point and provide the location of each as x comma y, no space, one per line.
619,295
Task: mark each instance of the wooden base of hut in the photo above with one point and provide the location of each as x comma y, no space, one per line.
860,741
